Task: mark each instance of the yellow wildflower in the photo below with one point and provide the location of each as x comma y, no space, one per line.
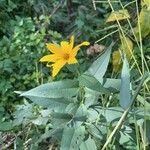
65,53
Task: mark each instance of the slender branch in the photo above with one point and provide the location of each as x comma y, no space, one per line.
124,115
93,2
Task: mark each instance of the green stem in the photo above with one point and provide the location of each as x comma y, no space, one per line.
124,115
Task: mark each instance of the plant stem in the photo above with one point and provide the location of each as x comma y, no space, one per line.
124,115
123,34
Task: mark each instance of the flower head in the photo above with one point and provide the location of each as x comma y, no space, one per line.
62,54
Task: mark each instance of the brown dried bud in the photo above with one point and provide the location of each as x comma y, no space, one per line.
95,49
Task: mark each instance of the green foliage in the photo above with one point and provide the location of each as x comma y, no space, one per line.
72,138
54,94
99,67
75,114
92,83
16,55
88,144
80,108
125,96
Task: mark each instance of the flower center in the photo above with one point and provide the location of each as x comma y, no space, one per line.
66,56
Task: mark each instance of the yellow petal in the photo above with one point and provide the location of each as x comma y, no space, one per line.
83,43
72,61
54,48
50,58
64,45
57,66
71,43
75,49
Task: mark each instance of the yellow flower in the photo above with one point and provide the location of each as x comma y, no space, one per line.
65,53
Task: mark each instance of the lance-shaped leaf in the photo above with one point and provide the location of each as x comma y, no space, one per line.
125,95
72,138
50,133
112,84
60,118
53,94
92,83
99,67
89,144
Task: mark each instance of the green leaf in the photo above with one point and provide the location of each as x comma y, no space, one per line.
23,113
112,84
99,67
72,108
60,118
148,131
72,138
6,126
81,113
92,83
127,138
142,101
89,144
125,95
58,89
94,130
51,103
61,115
91,97
54,94
40,120
112,113
50,133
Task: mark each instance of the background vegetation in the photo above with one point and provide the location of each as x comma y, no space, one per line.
26,26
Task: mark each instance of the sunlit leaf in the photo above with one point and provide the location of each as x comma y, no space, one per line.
126,48
146,3
144,21
118,15
116,61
